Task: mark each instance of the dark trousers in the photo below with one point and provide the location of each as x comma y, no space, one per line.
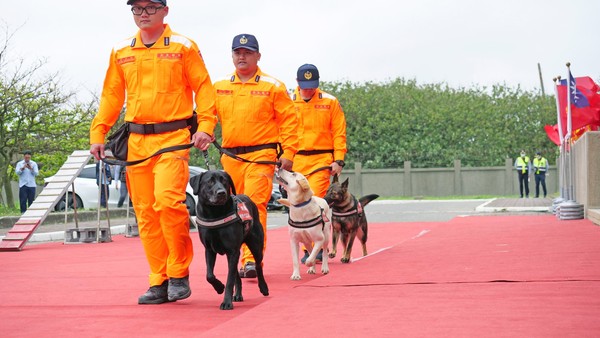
123,194
540,178
26,197
523,182
104,193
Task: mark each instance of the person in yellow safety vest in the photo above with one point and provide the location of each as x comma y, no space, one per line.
321,133
523,166
540,170
257,119
160,75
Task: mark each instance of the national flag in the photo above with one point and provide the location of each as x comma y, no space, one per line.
585,102
552,133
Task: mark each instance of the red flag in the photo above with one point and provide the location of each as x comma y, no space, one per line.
552,132
585,107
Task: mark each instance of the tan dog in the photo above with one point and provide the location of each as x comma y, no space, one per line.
309,221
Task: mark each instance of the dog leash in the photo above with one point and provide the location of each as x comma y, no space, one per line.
318,169
114,161
236,157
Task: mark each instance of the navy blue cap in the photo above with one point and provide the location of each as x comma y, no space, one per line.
162,2
308,76
247,41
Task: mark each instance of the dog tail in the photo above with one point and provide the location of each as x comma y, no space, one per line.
367,199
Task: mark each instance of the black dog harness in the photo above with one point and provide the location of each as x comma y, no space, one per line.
238,214
357,210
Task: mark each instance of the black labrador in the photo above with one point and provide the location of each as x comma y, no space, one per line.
225,220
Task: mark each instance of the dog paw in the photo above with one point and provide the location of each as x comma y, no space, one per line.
331,255
309,263
238,298
324,271
311,271
345,260
295,277
226,306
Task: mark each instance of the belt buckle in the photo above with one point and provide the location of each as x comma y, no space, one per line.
149,129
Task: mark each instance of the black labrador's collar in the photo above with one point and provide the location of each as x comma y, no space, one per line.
240,213
357,209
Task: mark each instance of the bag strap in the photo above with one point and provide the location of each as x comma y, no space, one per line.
114,161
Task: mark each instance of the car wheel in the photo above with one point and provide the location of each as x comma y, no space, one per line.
60,206
190,204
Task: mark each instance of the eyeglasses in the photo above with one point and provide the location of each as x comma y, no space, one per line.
150,10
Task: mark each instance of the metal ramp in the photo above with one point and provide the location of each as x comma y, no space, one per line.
22,230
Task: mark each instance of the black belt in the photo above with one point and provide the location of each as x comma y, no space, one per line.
158,128
315,152
249,149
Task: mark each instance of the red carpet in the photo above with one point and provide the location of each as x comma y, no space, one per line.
487,276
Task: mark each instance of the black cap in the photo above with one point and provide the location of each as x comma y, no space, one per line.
27,152
308,76
247,41
162,2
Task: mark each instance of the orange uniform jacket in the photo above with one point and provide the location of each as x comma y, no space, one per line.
321,126
156,90
256,112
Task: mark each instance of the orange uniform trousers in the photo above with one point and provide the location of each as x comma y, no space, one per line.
255,181
319,181
157,188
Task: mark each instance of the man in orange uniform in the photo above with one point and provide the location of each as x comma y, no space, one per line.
157,72
321,133
256,113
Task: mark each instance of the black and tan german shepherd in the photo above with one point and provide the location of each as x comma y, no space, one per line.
349,218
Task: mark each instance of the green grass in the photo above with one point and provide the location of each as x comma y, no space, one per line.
5,211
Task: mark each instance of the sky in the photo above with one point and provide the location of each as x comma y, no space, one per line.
462,43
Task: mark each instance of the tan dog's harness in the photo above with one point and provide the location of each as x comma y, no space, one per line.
321,219
241,213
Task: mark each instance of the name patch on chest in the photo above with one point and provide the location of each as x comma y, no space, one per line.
173,56
260,93
126,60
224,92
322,106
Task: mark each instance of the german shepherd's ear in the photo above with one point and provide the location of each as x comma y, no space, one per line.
195,183
231,185
345,183
335,178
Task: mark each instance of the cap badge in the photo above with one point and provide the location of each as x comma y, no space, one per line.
307,75
243,40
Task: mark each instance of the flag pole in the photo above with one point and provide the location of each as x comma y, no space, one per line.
570,193
561,160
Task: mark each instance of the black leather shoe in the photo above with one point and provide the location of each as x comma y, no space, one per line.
248,271
179,288
156,294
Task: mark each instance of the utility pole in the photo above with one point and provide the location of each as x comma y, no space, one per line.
541,80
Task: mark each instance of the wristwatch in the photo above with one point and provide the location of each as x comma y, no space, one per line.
340,163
